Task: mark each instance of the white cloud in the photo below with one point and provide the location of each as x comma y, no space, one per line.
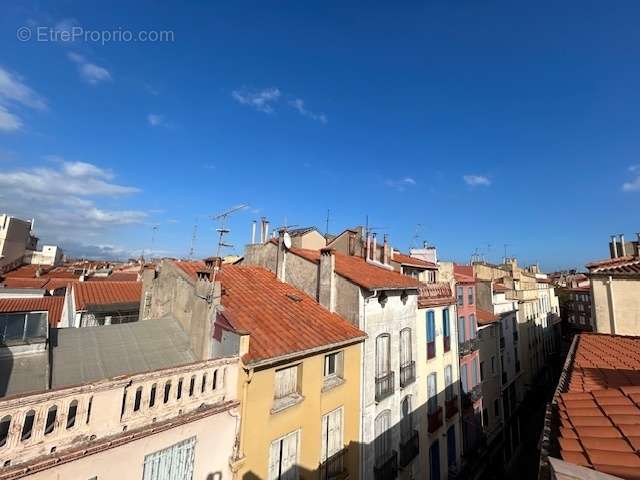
634,168
262,100
477,180
298,104
64,199
156,120
90,72
400,184
632,186
15,93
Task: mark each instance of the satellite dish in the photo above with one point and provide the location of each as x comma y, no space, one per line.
286,238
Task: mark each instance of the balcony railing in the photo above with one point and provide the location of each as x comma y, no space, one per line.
434,420
431,350
334,467
472,396
407,374
451,407
387,468
522,295
105,409
468,346
385,386
446,341
409,448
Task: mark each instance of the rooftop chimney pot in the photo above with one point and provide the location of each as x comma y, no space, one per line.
614,247
623,248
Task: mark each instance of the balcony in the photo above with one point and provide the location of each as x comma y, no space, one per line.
334,467
502,343
522,295
434,420
387,468
446,341
407,374
468,346
431,350
409,448
451,407
385,386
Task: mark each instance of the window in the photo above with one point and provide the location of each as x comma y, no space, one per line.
481,371
448,382
333,369
432,393
27,426
463,378
434,460
406,422
173,463
473,326
286,382
383,368
192,385
460,295
18,327
71,414
470,295
446,327
5,423
405,347
474,371
89,410
137,401
215,380
461,330
382,442
152,395
451,446
203,383
51,419
332,441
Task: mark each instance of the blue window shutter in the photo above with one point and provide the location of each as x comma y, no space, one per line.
431,326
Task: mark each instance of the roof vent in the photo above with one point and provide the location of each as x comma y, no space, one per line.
295,298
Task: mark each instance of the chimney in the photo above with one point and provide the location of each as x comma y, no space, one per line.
281,257
637,244
253,232
374,252
326,280
367,247
623,248
266,230
614,247
385,250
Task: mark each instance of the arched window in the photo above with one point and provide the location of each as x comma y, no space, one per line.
5,423
406,422
50,424
27,425
167,391
179,395
192,385
382,440
383,344
89,410
152,395
71,414
405,347
137,401
204,382
215,379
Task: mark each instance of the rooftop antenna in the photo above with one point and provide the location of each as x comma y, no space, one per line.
154,229
326,230
505,252
222,230
194,236
416,235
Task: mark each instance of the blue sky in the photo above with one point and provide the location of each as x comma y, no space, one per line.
484,122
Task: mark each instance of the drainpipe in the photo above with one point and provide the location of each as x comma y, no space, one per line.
362,380
612,310
240,445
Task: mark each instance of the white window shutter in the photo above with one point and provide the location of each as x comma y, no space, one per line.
274,460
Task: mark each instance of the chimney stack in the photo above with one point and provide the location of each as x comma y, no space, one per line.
253,232
374,252
326,284
623,248
385,250
367,247
614,247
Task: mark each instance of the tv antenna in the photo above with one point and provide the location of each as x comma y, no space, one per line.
416,235
154,229
222,230
194,236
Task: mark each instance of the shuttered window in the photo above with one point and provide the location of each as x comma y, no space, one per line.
461,330
283,458
463,378
332,441
405,346
432,393
383,436
448,382
406,422
173,463
446,327
431,326
382,355
286,382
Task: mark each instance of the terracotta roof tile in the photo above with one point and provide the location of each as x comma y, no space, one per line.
53,305
280,319
403,259
105,293
361,272
484,317
620,265
435,295
19,282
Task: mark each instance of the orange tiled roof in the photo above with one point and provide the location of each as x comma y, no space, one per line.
25,271
55,283
485,317
499,288
20,282
611,266
190,267
105,293
598,413
53,305
463,273
280,319
361,272
435,295
403,259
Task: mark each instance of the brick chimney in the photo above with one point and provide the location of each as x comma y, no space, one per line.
326,279
385,250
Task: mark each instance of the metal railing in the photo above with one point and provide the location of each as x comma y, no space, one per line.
468,346
409,448
407,374
334,467
385,386
434,420
387,468
451,407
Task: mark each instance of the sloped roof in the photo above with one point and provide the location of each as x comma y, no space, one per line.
403,259
435,295
361,272
190,267
53,305
499,288
280,319
463,273
20,282
89,354
622,265
485,317
598,415
106,293
115,277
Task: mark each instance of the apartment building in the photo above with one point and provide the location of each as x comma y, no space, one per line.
615,289
16,238
352,276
